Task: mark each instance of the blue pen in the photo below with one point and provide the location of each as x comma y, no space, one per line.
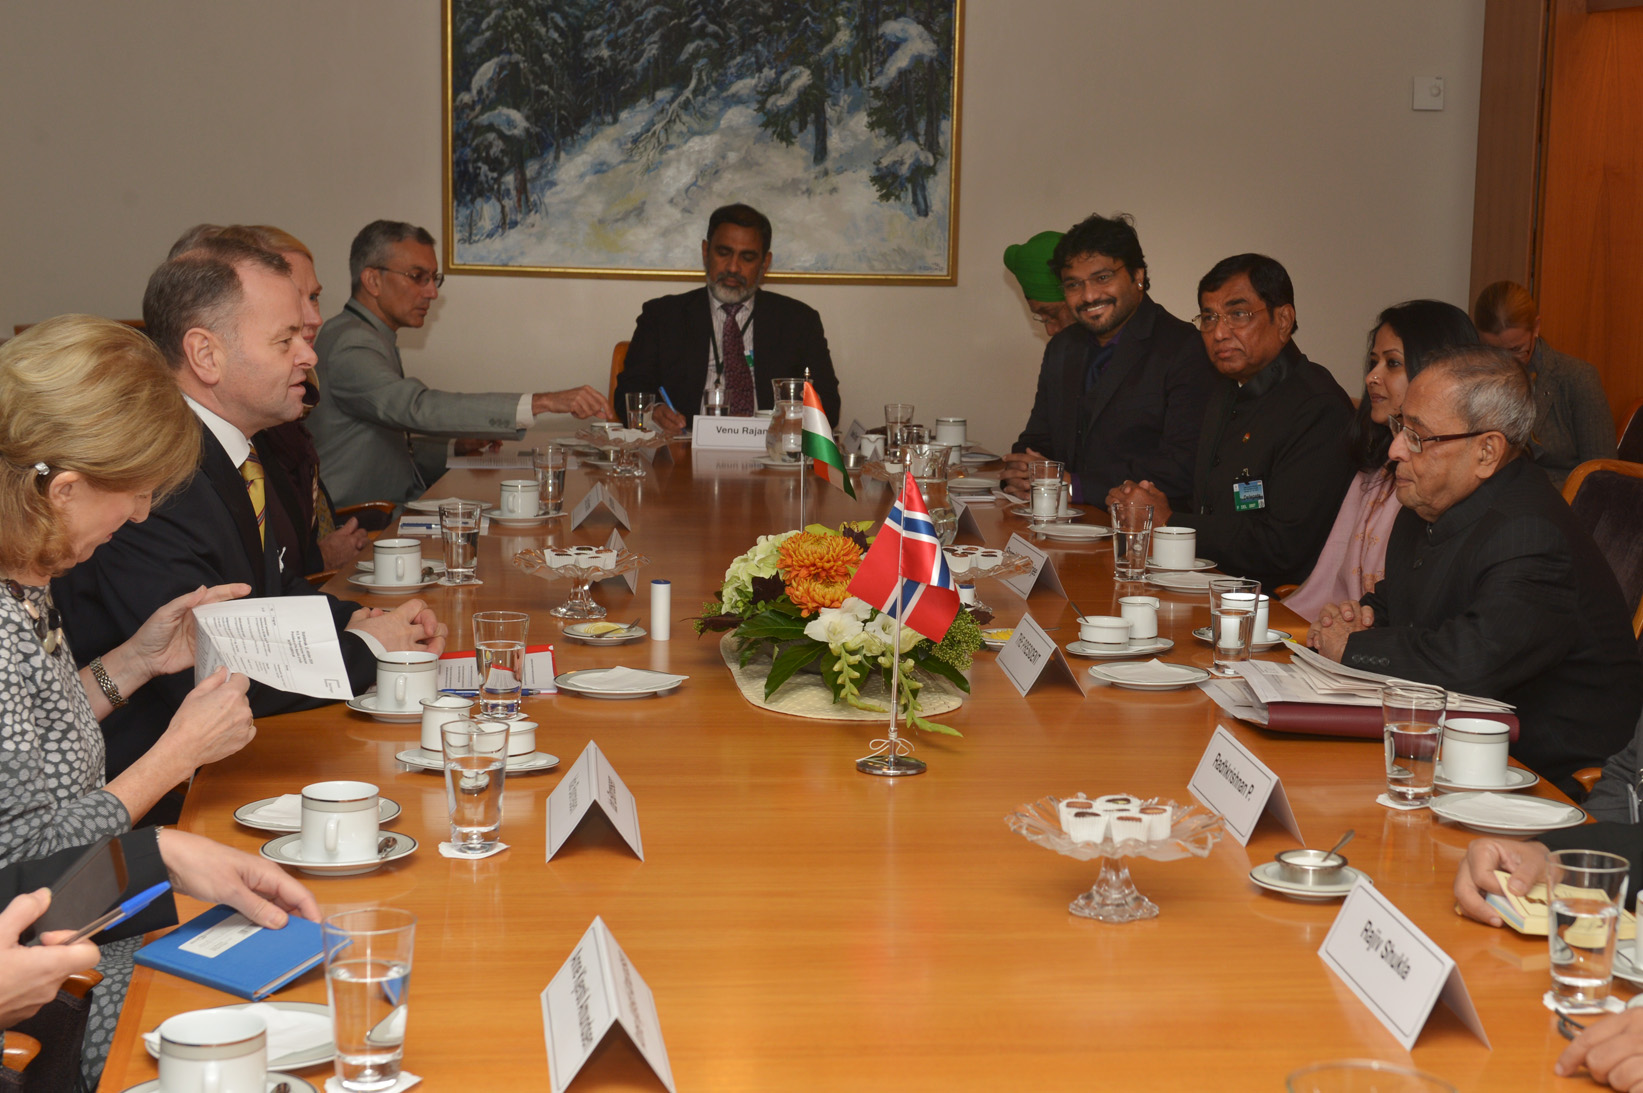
663,392
526,691
124,911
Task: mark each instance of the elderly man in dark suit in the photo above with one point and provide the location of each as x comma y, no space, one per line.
728,335
1121,392
1492,587
228,318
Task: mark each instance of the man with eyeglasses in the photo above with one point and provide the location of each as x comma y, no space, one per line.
1272,459
1492,587
381,434
1121,391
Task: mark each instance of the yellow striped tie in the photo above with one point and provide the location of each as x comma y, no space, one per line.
256,486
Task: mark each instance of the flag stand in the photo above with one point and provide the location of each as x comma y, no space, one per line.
804,461
890,758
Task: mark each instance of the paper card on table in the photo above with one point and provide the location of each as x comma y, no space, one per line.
288,642
592,780
1030,652
631,577
596,988
1232,782
459,672
617,509
1393,967
1042,573
966,518
852,436
598,495
736,433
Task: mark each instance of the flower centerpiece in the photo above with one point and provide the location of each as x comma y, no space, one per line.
789,596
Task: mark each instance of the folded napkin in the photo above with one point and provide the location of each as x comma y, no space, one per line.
406,1081
284,809
448,850
290,1032
1149,671
1499,807
627,679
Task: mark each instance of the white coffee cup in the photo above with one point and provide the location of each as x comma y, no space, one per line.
339,822
438,710
396,562
950,430
1474,751
1141,612
1263,612
1174,548
1104,629
405,679
520,497
871,445
521,734
213,1051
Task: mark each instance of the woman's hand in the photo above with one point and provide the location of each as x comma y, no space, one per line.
165,643
213,722
31,974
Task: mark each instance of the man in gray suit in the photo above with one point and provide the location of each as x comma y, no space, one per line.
373,424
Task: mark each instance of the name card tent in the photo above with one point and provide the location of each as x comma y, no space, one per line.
597,496
1042,574
729,433
595,989
591,780
1231,781
1031,652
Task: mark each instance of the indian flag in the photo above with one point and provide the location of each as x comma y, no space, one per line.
818,443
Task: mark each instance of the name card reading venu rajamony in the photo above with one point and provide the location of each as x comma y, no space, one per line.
1042,573
734,433
591,781
1031,652
1232,782
1393,967
596,988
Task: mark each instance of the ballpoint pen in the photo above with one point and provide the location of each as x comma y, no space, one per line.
526,691
663,392
119,914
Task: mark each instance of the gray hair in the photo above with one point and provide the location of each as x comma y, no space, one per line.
1492,392
371,245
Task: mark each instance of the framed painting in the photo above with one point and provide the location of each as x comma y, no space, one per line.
592,138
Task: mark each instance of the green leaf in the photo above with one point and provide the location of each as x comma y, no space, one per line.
946,671
789,661
772,625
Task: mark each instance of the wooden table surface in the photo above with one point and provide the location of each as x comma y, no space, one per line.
807,927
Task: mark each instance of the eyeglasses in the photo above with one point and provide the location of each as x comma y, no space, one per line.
1072,286
1235,320
1568,1027
420,278
1417,442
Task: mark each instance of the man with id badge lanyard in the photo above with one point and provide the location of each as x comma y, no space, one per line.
1273,462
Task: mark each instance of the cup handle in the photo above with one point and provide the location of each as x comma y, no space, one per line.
332,830
401,681
399,567
210,1077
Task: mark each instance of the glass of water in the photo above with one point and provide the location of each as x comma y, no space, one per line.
550,463
1131,538
476,762
368,978
1413,716
499,653
1045,478
459,524
1588,889
1232,605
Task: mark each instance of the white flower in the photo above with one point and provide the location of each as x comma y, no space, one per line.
761,561
882,629
834,626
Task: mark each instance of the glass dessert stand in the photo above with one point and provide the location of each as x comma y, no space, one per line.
623,447
580,605
1009,565
1113,898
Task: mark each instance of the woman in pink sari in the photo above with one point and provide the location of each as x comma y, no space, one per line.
1403,339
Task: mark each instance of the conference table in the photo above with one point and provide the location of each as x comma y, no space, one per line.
804,926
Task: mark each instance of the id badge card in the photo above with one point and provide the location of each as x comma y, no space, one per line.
1248,495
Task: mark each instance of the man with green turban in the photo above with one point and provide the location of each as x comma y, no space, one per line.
1030,262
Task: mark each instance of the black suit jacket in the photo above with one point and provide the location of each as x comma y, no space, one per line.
1287,428
205,534
673,341
1142,418
1506,596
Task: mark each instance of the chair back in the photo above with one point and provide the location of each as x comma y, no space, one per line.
618,360
17,1051
1607,498
60,1028
1631,434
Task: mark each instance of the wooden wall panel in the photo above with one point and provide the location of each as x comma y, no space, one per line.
1506,193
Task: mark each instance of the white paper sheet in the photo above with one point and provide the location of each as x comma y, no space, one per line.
288,642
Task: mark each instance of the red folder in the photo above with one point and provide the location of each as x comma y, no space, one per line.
1326,719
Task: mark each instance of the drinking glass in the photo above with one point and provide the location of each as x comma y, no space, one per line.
1588,889
896,413
785,438
499,653
1413,716
1045,476
476,761
368,978
1131,538
1363,1076
641,405
550,463
1232,603
713,402
459,523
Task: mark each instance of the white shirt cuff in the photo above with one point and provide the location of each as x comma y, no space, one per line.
522,416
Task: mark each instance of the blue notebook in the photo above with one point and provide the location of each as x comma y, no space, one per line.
222,949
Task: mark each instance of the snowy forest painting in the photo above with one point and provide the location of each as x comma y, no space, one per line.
595,136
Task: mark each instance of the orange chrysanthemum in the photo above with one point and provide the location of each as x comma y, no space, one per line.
811,594
817,569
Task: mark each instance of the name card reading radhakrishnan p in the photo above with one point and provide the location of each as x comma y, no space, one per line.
596,988
1232,782
729,433
591,781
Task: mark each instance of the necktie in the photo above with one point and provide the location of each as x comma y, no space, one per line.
739,397
324,524
256,486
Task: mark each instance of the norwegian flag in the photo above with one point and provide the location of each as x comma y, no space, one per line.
904,569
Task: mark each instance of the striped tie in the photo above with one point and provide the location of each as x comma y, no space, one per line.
256,486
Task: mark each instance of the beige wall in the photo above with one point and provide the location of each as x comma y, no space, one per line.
1274,125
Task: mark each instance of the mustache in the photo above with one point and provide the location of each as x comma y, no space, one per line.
1105,301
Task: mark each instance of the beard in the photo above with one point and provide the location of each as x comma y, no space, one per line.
728,288
1114,318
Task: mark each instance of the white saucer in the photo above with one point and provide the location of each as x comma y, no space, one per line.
779,464
1178,581
972,483
287,850
1125,675
1197,564
567,682
294,1083
386,810
1266,876
1516,778
1274,638
1135,647
322,1053
602,464
422,759
1504,814
369,565
996,643
1027,510
1082,533
1624,967
498,517
575,632
367,704
432,506
367,580
974,457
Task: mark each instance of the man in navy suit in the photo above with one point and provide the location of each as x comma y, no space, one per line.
228,318
680,342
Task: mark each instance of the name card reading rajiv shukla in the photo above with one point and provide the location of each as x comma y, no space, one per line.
591,781
729,433
596,988
1042,573
1029,653
1232,782
1394,968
